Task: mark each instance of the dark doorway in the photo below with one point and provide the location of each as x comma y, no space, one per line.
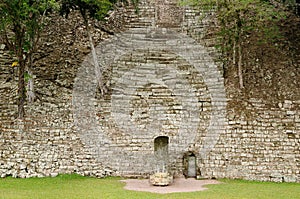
192,166
189,165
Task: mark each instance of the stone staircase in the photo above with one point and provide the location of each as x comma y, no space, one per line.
157,60
162,83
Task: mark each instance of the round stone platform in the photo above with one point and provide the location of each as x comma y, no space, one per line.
161,179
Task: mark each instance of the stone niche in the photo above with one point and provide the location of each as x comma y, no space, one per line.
161,177
161,147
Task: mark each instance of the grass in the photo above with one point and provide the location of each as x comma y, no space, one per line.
75,186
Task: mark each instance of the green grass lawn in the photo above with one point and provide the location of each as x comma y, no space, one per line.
74,186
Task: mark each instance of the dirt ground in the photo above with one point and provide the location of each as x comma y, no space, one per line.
179,185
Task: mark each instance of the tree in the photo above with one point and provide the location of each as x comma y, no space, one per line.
95,9
20,27
90,9
237,20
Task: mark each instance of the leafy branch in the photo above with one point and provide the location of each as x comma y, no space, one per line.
237,20
20,27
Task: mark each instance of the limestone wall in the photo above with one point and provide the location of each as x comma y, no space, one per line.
162,81
263,145
45,143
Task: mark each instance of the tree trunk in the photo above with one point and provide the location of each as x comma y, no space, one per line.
234,53
21,88
239,48
98,71
240,70
30,85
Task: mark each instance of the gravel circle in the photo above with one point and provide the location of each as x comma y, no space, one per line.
179,185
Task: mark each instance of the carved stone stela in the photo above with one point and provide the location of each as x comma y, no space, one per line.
168,13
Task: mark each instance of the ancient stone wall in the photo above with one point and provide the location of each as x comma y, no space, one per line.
260,145
162,82
45,143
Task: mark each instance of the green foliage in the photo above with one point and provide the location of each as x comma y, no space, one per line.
239,18
91,8
27,77
94,8
21,20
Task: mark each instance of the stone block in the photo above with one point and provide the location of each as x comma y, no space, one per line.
161,179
